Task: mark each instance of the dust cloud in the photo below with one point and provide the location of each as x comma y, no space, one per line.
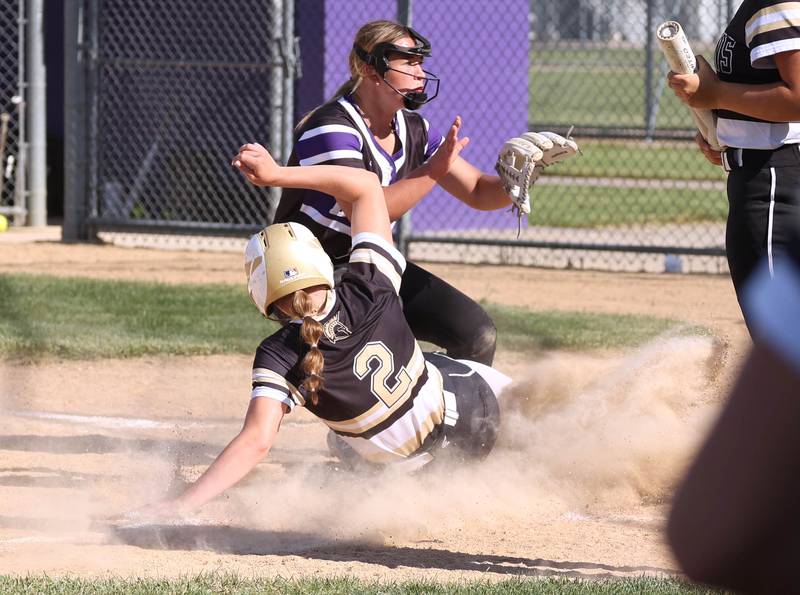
584,437
582,434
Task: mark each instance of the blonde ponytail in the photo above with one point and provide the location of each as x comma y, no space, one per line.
347,88
310,332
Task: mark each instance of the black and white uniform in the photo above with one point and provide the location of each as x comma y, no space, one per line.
336,134
386,399
763,159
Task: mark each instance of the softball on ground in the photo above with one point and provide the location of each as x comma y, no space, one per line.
3,223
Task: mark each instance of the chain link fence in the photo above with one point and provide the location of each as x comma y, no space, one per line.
641,196
174,88
12,113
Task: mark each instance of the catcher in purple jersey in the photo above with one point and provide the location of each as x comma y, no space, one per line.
370,124
345,351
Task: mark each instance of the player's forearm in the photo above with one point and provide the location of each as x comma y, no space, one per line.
483,192
239,458
490,195
346,184
404,194
776,102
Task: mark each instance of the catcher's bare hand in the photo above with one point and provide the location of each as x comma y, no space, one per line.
713,156
441,161
257,165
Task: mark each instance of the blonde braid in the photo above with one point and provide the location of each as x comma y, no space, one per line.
310,332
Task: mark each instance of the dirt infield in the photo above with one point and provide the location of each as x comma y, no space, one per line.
592,445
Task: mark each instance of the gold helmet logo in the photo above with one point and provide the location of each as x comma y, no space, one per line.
281,259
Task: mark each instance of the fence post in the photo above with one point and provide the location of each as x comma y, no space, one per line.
291,61
404,225
37,198
276,104
74,227
91,54
20,167
649,103
404,12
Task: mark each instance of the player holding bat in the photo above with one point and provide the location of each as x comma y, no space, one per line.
681,60
755,94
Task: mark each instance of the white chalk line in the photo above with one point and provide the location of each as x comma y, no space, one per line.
580,517
112,423
35,539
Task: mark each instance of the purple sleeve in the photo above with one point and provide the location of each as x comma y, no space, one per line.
434,139
330,144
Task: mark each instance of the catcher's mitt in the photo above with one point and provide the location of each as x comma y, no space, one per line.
522,160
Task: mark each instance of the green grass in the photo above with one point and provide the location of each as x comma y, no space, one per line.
638,159
562,55
587,98
589,87
556,55
229,584
522,330
598,206
83,318
86,318
600,87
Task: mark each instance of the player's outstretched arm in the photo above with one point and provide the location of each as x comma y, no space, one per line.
520,162
463,180
242,454
347,184
474,188
357,187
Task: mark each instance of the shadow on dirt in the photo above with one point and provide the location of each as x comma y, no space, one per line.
100,444
242,541
46,477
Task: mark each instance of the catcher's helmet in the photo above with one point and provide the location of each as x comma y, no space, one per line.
379,56
282,258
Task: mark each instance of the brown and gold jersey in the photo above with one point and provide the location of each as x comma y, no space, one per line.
378,392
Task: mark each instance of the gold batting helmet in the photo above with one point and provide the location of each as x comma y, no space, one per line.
282,258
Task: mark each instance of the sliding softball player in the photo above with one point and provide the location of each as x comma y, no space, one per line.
345,351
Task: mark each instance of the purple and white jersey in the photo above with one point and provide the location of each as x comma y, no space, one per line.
336,134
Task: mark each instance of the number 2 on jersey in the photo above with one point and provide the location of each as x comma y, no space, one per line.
376,351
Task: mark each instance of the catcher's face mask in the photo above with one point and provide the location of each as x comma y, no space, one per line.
379,58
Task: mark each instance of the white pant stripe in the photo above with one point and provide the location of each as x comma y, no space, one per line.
769,221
